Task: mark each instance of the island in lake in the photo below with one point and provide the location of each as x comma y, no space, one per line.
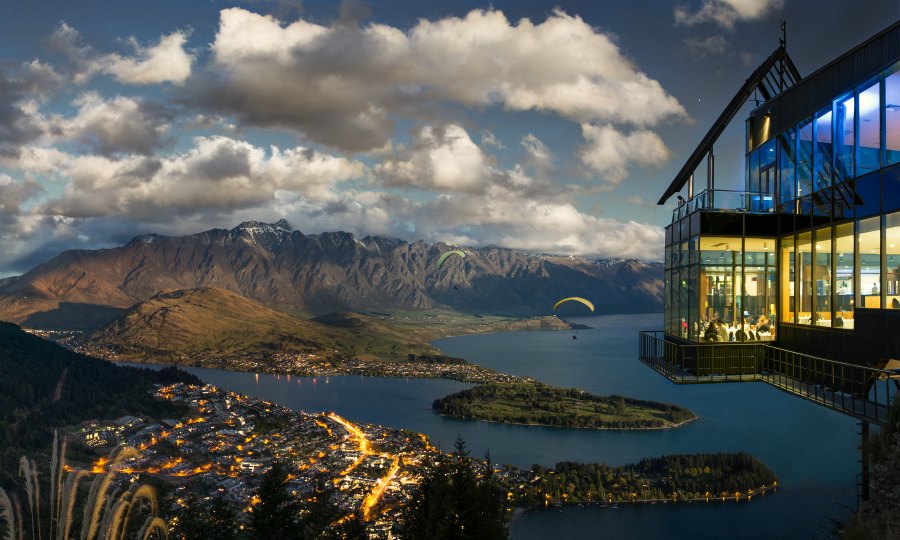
535,403
680,477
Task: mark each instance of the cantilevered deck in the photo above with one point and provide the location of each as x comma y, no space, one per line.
862,392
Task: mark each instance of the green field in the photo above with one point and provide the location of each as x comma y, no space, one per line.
542,404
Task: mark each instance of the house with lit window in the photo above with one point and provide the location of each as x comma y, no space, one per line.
795,279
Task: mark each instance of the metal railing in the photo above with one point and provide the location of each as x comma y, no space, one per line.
860,391
726,199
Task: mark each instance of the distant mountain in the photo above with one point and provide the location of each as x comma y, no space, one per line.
301,274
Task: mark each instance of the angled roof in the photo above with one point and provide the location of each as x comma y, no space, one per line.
764,80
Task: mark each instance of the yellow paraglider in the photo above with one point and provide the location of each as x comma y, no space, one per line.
446,255
574,299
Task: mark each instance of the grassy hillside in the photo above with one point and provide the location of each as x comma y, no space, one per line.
186,325
215,327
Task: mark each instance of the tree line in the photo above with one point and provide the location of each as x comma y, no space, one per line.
672,477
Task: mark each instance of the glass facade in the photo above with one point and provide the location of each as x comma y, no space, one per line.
726,293
830,147
834,180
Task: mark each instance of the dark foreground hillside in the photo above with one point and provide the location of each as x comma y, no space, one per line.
43,386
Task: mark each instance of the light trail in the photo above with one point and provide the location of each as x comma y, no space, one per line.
361,440
372,499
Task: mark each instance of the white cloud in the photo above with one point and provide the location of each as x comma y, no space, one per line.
341,84
22,88
725,12
610,153
489,139
441,158
164,61
116,125
445,159
219,175
635,200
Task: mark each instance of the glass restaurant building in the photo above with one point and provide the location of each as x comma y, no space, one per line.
807,255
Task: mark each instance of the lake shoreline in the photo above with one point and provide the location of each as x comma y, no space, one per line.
521,511
678,425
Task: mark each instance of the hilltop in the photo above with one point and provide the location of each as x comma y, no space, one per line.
194,326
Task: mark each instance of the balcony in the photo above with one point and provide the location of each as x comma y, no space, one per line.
726,200
863,392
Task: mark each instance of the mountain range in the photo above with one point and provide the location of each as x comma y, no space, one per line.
310,275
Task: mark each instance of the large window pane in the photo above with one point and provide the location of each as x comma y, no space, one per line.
667,301
866,194
764,202
892,118
822,277
683,303
869,130
716,281
788,310
804,158
753,171
786,156
843,276
694,321
804,271
892,261
755,279
767,326
823,172
844,133
870,262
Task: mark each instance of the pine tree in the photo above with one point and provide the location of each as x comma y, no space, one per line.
455,504
275,514
319,515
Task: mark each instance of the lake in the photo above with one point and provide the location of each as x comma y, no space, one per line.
813,450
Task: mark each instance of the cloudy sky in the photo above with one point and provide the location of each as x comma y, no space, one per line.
542,126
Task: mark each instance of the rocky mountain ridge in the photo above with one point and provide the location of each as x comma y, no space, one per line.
309,275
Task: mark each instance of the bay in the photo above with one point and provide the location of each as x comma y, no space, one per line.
813,450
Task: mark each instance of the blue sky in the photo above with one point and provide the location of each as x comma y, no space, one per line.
541,126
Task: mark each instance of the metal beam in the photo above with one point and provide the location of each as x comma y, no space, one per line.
734,106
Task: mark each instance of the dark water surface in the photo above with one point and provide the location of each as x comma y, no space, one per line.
811,449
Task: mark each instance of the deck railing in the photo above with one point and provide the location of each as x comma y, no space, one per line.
726,199
860,391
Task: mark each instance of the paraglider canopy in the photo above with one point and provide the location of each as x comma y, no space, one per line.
446,255
574,299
